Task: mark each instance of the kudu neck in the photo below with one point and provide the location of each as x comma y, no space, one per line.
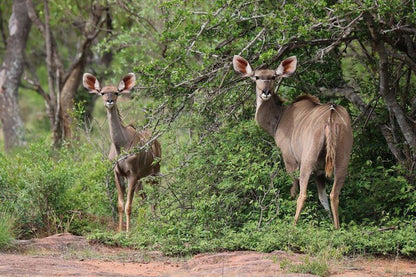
268,113
118,132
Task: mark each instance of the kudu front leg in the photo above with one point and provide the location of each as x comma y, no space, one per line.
291,167
120,202
132,183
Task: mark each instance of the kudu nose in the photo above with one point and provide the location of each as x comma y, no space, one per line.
109,103
266,92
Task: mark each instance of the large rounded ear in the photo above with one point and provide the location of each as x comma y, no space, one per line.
127,83
91,83
287,67
243,66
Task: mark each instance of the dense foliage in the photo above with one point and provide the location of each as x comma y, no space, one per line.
54,191
223,183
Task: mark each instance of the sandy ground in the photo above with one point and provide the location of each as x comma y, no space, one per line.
69,255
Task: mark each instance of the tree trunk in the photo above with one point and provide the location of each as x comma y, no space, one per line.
390,98
11,71
67,98
63,86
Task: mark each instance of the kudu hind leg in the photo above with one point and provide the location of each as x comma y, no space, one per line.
323,197
340,173
339,180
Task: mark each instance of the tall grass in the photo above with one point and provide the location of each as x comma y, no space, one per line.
6,228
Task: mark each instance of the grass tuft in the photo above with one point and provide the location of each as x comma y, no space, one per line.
6,228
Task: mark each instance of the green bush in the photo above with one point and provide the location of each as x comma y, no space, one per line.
53,191
377,188
232,176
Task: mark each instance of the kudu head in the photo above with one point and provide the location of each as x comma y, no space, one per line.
109,93
265,78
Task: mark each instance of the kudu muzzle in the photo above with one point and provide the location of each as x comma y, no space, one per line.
266,94
265,85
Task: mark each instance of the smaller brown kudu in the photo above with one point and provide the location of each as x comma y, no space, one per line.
124,139
312,137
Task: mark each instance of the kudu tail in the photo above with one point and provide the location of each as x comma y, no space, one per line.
330,143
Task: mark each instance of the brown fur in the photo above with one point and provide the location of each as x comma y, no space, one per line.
308,97
311,136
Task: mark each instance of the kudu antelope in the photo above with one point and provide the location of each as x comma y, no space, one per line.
134,166
311,136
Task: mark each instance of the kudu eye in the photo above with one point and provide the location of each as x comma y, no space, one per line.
101,93
117,93
257,77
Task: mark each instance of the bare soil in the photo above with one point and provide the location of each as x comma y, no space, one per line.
69,255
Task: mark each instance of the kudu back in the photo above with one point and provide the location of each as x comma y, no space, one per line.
135,154
312,137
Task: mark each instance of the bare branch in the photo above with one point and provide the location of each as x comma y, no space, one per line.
35,86
253,41
345,34
203,26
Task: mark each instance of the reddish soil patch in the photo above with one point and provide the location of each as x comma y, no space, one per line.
69,255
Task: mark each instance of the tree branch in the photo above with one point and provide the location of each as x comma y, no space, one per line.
384,84
253,41
34,17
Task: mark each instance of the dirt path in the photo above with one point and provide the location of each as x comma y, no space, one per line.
68,255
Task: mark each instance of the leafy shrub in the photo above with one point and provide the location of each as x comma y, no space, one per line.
377,188
232,176
51,191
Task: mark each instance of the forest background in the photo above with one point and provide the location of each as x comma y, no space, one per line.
223,183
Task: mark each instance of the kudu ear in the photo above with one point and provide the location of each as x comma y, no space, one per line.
287,67
127,83
243,66
91,83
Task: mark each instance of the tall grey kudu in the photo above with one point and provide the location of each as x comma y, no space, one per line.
135,166
311,136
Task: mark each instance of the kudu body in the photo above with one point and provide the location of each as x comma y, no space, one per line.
311,136
124,139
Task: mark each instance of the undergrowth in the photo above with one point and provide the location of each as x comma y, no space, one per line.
225,191
317,241
7,221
